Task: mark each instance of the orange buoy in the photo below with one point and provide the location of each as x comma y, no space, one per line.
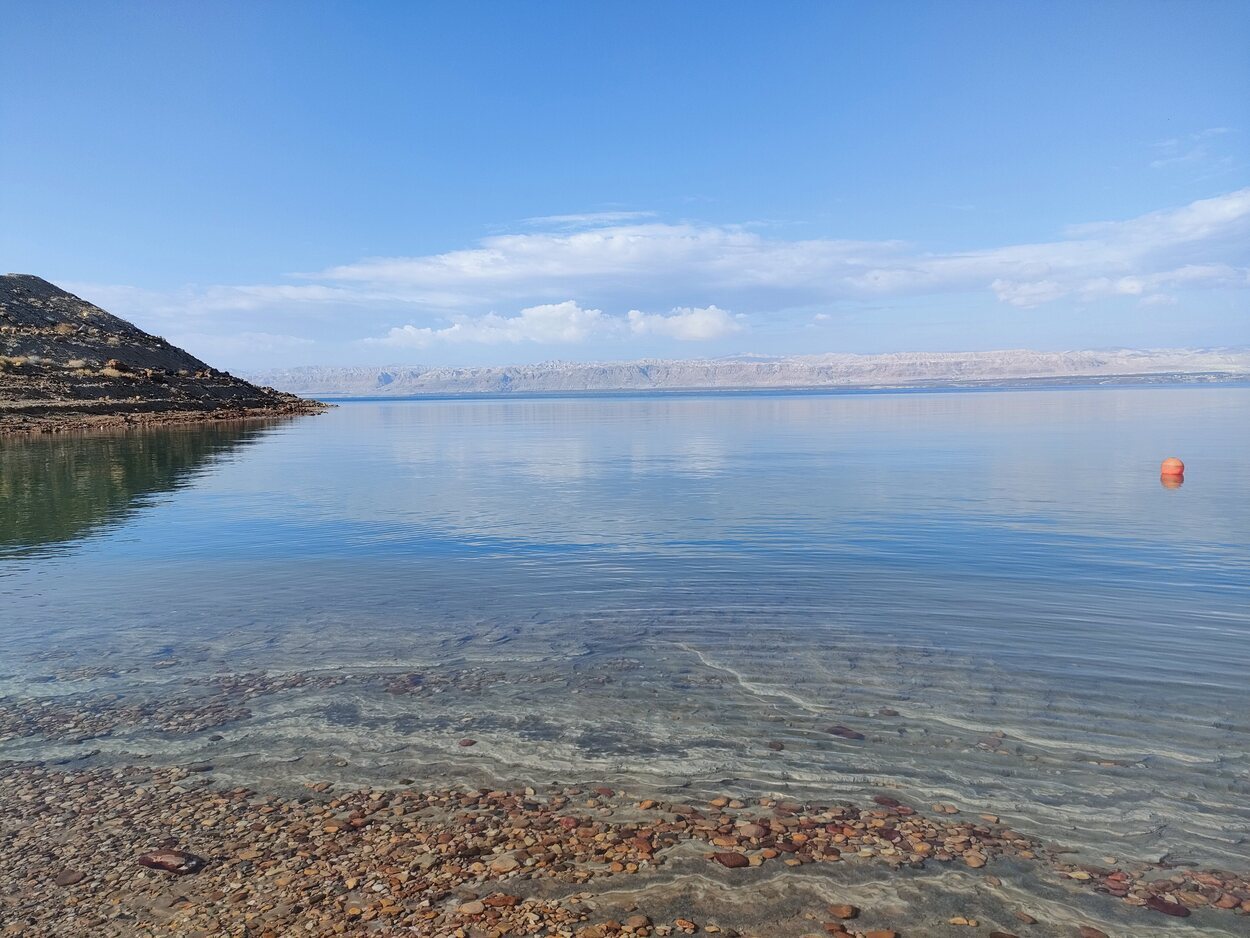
1172,467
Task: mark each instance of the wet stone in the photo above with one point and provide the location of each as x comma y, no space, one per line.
845,732
324,860
1167,908
172,861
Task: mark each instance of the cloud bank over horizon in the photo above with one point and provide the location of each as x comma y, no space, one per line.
630,281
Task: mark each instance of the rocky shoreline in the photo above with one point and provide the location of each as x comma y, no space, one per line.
67,365
132,841
120,416
146,851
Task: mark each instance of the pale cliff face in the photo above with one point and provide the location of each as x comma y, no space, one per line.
807,371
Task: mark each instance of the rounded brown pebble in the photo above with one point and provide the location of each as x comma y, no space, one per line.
468,742
70,877
775,745
504,865
734,861
843,911
1026,918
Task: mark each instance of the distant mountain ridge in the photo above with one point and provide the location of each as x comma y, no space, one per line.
763,372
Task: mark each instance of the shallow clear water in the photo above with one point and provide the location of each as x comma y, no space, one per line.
647,590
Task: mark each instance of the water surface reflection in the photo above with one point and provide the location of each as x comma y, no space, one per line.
991,587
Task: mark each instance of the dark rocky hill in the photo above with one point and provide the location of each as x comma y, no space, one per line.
66,364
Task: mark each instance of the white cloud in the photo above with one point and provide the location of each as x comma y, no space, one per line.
585,219
562,278
1204,220
207,301
658,262
566,323
550,323
1151,287
1196,149
207,345
644,258
685,323
1026,294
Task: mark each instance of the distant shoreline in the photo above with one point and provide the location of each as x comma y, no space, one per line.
1188,379
47,418
832,371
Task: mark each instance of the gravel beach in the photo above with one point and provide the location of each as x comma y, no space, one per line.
171,851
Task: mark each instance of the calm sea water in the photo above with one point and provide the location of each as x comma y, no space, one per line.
993,587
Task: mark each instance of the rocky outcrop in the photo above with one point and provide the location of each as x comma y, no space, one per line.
66,364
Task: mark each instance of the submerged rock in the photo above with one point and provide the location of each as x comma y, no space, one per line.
845,732
1166,907
172,861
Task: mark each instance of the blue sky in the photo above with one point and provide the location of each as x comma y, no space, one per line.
296,183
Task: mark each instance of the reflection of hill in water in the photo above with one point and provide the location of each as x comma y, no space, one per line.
58,488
